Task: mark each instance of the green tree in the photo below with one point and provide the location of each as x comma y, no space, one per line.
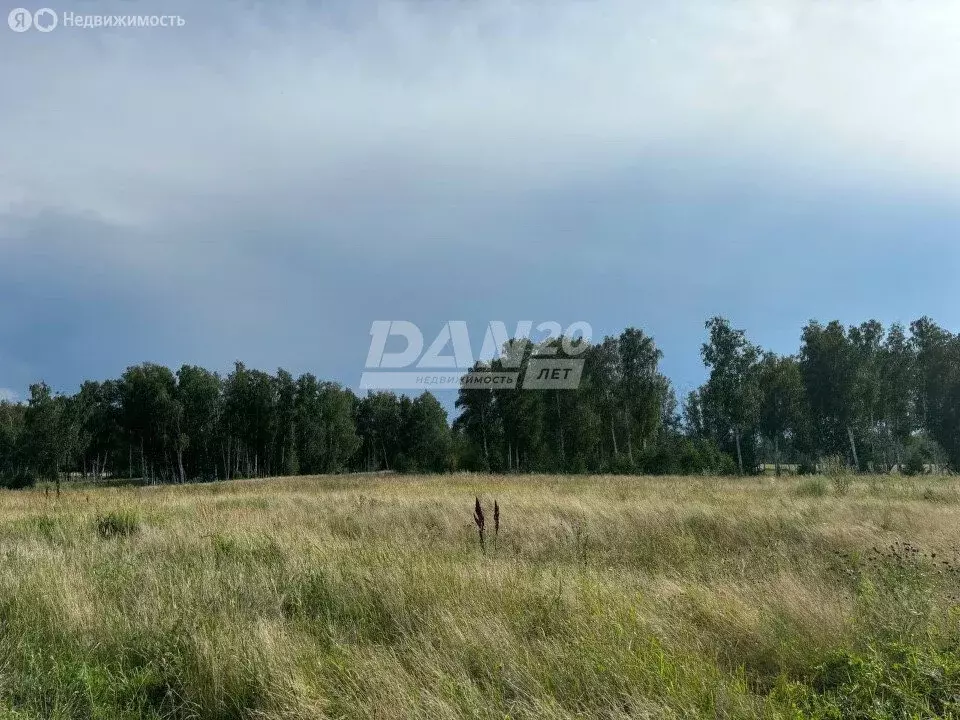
643,389
200,394
12,444
480,424
782,408
898,382
604,374
51,433
832,366
153,418
428,435
380,417
285,443
731,395
938,385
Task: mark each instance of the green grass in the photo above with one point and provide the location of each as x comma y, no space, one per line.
369,597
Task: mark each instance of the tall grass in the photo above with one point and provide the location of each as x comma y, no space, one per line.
372,598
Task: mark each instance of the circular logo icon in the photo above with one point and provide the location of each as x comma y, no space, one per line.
45,19
20,20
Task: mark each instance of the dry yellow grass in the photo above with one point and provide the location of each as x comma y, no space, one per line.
369,597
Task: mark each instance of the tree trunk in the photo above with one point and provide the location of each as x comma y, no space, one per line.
613,435
560,428
486,449
736,436
776,454
897,458
853,448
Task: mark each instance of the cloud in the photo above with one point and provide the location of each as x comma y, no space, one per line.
291,104
8,395
273,176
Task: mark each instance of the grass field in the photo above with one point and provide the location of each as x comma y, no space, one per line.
369,597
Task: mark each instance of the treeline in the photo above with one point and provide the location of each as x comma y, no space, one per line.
862,397
160,426
865,397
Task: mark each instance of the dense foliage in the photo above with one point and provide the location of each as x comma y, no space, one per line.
861,397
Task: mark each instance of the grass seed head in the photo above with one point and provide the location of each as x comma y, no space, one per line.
479,520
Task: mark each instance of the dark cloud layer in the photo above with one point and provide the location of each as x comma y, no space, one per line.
265,182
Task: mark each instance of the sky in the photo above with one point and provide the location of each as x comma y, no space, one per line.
266,181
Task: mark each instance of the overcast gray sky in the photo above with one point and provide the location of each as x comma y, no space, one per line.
267,180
